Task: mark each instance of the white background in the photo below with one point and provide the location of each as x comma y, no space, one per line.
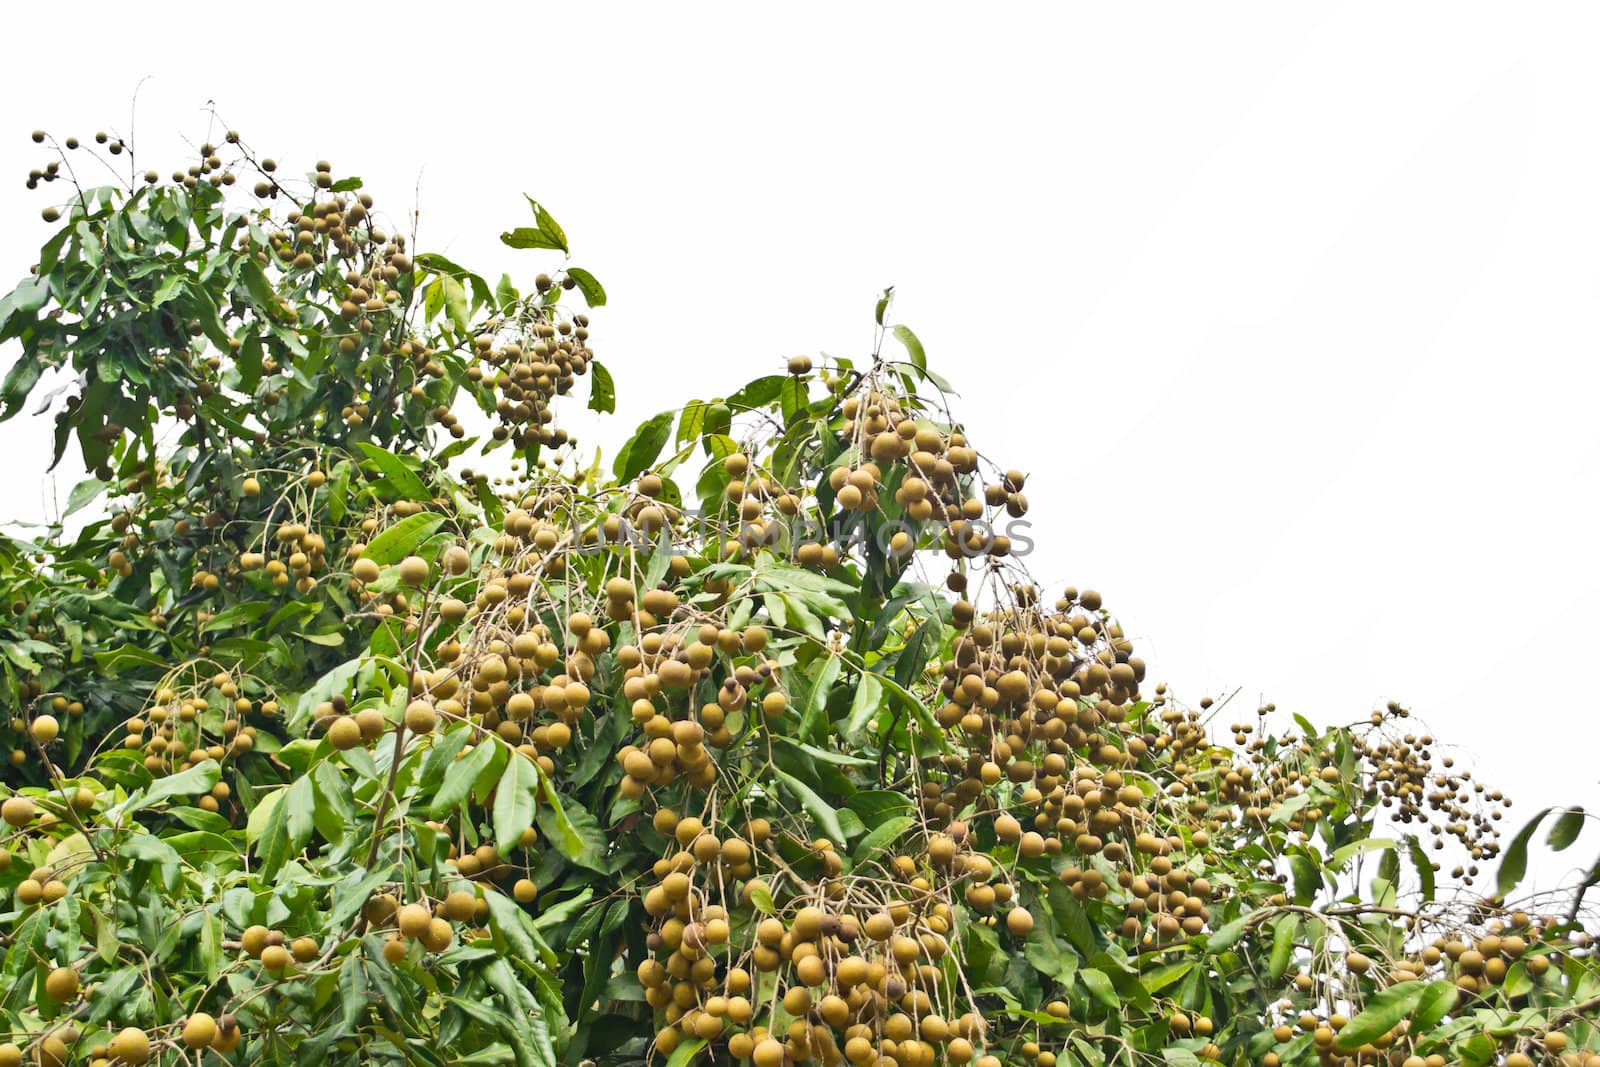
1290,310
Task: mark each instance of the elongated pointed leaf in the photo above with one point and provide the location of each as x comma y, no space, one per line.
1566,829
514,800
1381,1013
401,539
1514,861
594,294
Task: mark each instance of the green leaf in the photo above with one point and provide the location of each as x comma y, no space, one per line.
885,833
1514,861
875,806
1227,935
1566,829
459,778
545,232
505,293
1098,983
1049,955
602,389
568,825
325,687
403,538
560,913
299,807
1424,866
1341,856
511,922
826,815
864,705
196,780
919,358
1437,1001
1283,938
594,294
514,802
82,495
350,893
813,712
643,447
1380,1014
759,393
395,472
455,304
119,659
918,650
686,1053
883,305
1160,978
527,237
761,897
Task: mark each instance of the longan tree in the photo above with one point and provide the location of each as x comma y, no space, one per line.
758,745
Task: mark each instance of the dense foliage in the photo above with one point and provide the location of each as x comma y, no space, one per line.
759,744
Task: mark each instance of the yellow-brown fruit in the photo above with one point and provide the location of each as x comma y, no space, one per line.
10,1055
250,487
413,920
438,936
305,949
61,985
253,940
394,949
276,958
45,729
1019,921
413,570
459,906
420,717
17,811
879,926
344,733
365,570
524,891
199,1030
131,1046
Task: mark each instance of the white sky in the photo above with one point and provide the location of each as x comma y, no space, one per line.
1290,309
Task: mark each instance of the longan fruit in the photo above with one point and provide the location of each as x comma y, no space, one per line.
344,733
199,1030
61,985
253,940
413,919
459,905
131,1046
420,717
413,570
17,811
438,936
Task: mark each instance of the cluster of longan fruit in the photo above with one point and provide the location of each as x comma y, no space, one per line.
172,736
300,551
